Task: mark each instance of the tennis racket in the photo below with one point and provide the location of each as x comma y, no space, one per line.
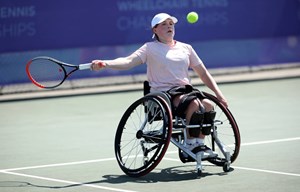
46,72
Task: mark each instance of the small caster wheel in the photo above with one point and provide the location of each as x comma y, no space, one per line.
199,173
226,167
145,162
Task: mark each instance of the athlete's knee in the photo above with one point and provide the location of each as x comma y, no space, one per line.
207,105
195,105
186,105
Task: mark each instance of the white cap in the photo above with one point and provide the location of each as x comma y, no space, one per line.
161,17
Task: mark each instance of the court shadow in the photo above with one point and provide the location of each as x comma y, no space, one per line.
171,174
8,184
177,173
20,184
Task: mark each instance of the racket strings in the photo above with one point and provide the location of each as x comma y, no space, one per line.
46,73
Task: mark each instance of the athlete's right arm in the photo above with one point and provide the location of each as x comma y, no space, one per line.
121,63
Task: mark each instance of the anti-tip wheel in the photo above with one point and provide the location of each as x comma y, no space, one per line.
199,173
226,167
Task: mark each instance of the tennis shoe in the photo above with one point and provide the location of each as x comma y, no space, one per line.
208,153
200,147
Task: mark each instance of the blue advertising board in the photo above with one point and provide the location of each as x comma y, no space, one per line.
55,24
228,33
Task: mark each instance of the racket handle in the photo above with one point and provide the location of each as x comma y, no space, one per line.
85,66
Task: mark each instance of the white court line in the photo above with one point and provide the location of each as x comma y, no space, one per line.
256,143
266,171
66,182
113,159
244,168
271,141
59,164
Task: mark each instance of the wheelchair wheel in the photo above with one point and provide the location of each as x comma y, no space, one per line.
227,132
143,135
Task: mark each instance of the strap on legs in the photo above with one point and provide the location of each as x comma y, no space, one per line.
209,118
196,119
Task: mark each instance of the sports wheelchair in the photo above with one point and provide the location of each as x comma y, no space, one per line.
148,126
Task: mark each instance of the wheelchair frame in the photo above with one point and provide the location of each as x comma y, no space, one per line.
148,126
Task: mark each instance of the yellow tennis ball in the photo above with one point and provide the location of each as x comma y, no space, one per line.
192,17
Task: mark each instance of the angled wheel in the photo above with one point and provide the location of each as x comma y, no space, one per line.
143,135
227,132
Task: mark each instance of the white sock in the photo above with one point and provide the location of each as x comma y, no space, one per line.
191,141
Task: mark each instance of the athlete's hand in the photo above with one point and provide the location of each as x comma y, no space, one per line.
224,102
98,65
222,99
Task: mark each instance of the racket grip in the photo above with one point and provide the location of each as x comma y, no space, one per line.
85,66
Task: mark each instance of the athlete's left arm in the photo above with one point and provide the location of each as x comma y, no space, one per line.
209,81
